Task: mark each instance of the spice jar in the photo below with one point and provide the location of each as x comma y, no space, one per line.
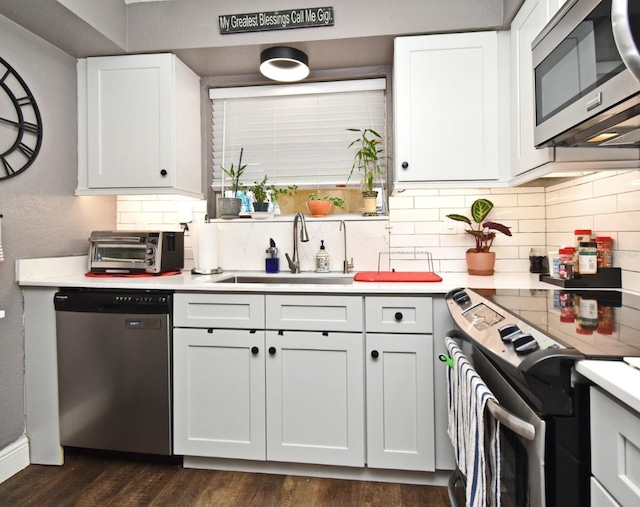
603,250
605,320
588,258
588,320
565,267
538,261
580,235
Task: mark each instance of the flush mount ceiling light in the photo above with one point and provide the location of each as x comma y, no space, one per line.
282,63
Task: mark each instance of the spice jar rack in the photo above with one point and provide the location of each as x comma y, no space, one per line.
610,278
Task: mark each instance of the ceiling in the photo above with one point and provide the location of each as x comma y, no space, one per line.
84,28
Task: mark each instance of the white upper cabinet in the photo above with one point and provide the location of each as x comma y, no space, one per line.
139,126
527,24
448,108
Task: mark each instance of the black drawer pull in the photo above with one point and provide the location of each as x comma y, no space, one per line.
375,354
255,350
272,351
399,316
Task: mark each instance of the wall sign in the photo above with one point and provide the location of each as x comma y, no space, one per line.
276,20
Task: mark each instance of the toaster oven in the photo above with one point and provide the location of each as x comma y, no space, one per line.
131,252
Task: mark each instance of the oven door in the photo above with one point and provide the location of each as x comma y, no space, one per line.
126,255
522,452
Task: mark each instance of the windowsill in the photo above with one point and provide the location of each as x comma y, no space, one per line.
347,217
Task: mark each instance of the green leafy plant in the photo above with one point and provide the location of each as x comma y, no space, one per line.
483,231
235,174
367,157
261,190
336,201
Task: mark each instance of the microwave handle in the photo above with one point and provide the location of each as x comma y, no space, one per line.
623,36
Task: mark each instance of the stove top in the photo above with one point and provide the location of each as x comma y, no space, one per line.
596,324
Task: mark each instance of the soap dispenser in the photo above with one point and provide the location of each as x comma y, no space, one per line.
322,259
272,261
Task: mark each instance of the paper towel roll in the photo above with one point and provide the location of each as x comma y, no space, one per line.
206,237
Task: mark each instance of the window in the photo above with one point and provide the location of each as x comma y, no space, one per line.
294,134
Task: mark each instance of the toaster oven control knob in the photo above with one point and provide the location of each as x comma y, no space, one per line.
524,343
508,332
148,262
149,251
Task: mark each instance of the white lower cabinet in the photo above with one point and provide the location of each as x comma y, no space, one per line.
400,396
315,391
615,451
296,384
286,395
218,392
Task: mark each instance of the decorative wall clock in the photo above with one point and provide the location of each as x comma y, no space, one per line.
20,123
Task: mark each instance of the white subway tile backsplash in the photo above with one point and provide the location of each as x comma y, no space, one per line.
607,202
629,201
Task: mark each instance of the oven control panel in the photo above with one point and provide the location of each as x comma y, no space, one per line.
496,329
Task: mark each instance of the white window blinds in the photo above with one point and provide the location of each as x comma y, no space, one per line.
295,134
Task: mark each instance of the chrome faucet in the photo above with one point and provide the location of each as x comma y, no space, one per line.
346,265
294,264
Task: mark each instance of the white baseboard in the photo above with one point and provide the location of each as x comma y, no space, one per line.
14,458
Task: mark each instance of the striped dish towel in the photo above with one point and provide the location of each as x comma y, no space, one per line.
1,251
477,448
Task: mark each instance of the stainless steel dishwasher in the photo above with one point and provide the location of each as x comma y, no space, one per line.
114,369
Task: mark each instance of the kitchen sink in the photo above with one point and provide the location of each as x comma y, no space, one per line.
291,280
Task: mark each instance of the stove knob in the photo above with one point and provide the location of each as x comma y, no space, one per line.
461,298
524,344
508,332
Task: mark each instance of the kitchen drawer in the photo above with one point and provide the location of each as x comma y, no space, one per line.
398,314
314,313
615,447
236,311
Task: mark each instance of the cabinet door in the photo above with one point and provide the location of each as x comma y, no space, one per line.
446,107
526,26
315,398
130,118
400,409
219,393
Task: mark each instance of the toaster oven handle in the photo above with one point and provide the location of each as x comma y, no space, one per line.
110,239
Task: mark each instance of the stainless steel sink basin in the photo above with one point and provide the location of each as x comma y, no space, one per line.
291,280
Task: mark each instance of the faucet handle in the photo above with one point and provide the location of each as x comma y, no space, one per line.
347,266
292,265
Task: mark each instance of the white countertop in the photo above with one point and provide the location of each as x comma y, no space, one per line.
70,272
616,377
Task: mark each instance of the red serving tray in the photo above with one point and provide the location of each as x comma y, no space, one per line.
396,276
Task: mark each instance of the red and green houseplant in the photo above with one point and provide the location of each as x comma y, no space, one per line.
480,259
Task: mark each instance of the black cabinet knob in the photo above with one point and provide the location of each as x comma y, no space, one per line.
272,351
163,172
405,165
255,350
399,316
375,354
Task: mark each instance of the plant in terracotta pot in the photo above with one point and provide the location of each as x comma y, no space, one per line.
367,161
230,206
480,260
320,206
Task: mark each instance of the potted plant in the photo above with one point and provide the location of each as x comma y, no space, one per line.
230,206
261,191
367,161
480,260
320,206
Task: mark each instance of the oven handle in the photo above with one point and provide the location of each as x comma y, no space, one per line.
520,427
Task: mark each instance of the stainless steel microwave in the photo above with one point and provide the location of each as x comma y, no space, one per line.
586,68
131,252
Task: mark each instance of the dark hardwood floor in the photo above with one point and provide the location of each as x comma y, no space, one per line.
98,481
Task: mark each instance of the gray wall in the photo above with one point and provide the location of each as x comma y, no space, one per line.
42,217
